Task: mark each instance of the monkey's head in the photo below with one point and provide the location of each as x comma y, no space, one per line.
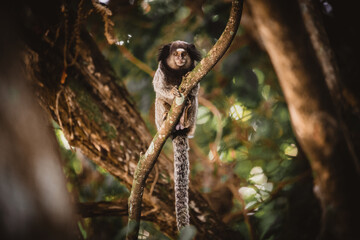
179,55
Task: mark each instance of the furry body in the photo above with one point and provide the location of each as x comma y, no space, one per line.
175,60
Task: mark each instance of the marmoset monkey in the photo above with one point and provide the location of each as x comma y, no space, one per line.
175,60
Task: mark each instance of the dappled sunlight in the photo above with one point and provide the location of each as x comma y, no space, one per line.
239,112
291,150
104,1
259,188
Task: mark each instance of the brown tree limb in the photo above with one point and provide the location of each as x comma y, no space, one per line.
147,161
244,212
129,56
95,209
214,148
116,208
312,112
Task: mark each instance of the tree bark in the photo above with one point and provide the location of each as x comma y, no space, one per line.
98,116
313,114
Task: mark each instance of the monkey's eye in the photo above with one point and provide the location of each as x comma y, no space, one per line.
184,54
175,53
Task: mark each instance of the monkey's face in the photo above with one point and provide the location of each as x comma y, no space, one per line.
179,59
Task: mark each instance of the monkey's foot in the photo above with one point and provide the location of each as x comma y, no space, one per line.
188,103
179,126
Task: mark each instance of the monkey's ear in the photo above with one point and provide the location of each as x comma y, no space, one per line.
164,52
194,53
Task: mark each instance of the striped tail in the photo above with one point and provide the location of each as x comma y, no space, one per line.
181,173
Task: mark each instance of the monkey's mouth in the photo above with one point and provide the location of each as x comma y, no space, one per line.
180,63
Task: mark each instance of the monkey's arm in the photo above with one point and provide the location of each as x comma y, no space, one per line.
161,110
163,89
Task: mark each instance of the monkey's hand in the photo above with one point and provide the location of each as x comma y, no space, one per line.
175,92
184,121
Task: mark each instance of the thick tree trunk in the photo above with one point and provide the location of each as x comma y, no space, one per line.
99,117
313,115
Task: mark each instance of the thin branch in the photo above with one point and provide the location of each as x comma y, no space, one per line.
244,211
203,101
57,108
129,56
147,160
155,180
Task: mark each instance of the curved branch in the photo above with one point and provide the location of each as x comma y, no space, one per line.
203,101
129,56
147,161
216,52
215,111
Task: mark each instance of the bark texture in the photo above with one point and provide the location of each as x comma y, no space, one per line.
313,114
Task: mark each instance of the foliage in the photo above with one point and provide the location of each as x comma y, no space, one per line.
256,151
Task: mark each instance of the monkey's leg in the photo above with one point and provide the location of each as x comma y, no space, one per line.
183,122
161,110
189,114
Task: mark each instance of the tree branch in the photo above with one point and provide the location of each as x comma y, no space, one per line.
147,160
95,209
129,56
